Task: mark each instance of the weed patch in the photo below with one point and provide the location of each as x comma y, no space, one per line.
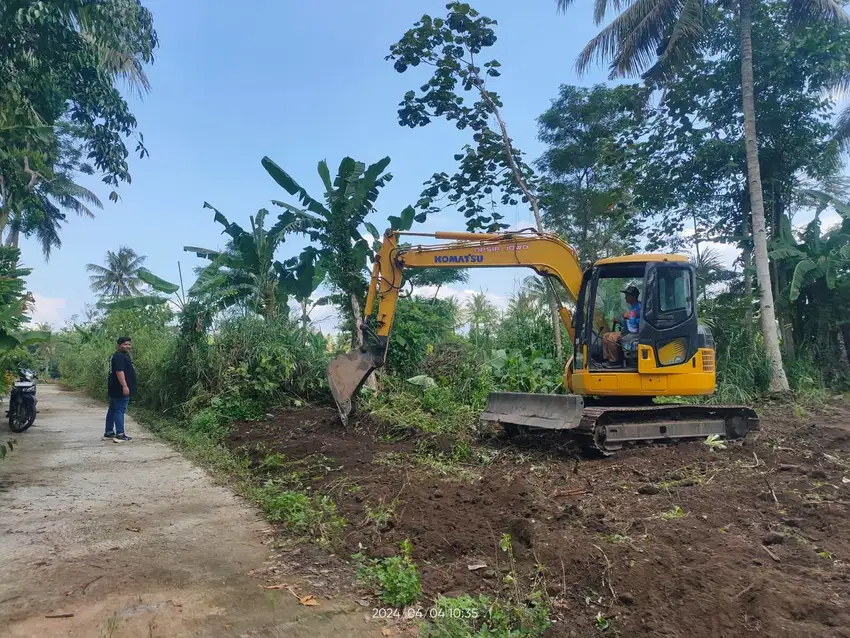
395,579
473,617
304,515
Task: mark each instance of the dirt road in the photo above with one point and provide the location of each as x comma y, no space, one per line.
133,540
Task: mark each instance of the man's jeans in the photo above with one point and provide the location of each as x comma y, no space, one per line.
115,416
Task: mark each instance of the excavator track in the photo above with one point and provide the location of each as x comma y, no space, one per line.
609,429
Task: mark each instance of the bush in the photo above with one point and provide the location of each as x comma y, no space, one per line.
418,325
452,365
238,372
515,371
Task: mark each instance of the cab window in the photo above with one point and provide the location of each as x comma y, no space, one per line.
674,290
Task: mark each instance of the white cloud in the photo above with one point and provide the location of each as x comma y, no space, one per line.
48,310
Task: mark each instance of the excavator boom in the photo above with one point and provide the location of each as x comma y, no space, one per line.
546,254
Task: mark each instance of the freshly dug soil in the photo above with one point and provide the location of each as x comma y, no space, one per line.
677,540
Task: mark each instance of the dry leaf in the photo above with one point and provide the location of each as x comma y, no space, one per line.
278,586
362,603
134,529
472,568
386,631
844,479
309,600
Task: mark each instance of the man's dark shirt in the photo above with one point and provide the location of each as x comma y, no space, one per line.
121,362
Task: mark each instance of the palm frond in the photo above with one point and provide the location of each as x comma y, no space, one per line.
807,11
632,39
683,43
74,205
98,269
842,130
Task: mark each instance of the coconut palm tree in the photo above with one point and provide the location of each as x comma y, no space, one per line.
44,215
119,276
657,36
710,269
482,316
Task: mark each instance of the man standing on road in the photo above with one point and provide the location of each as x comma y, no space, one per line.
121,386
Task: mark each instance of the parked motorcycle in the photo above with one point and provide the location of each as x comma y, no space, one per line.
22,402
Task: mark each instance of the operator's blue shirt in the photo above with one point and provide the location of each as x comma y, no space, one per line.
632,318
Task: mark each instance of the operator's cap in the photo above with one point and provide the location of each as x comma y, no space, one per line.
631,290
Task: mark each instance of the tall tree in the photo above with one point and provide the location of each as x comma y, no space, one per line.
119,276
589,134
492,170
60,66
671,34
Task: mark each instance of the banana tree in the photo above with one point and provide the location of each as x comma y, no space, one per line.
821,269
337,225
246,271
140,302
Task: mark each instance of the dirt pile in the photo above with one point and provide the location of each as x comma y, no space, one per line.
675,540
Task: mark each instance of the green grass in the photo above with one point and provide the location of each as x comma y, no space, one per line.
395,579
304,515
482,616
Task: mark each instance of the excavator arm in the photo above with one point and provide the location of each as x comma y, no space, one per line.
546,254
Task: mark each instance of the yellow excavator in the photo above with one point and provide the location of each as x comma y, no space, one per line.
610,403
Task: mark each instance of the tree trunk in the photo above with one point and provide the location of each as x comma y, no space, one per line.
14,237
305,321
778,380
371,383
535,208
845,338
747,257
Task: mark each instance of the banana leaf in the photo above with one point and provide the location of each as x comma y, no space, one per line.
158,284
133,303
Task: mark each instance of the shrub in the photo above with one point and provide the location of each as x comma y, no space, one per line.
532,371
418,324
238,372
452,365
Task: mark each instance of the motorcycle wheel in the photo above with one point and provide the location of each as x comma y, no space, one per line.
21,417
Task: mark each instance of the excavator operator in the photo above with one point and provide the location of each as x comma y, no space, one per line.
630,323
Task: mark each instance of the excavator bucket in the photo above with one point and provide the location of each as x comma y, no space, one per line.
346,373
550,411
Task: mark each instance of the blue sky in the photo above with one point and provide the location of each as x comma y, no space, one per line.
234,83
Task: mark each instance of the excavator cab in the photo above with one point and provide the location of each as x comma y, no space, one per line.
670,354
667,325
